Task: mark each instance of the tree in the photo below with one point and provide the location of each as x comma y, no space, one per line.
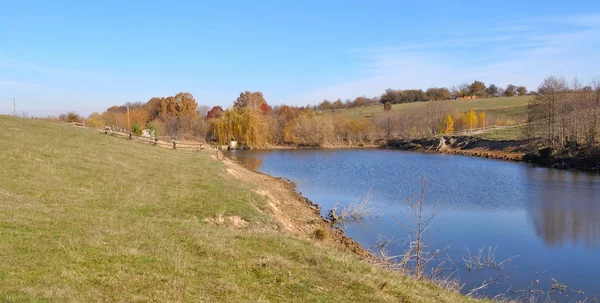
482,120
71,117
325,105
391,95
521,90
338,104
478,89
203,110
471,119
215,112
448,124
95,121
359,101
544,109
136,129
492,91
387,106
265,109
463,90
438,93
510,90
250,99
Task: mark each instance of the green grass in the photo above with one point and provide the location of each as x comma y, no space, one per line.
516,104
86,217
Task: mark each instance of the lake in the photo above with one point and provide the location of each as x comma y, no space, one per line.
549,218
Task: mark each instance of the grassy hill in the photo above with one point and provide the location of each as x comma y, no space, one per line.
510,107
86,217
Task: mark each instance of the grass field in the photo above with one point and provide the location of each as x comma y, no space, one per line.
86,217
509,107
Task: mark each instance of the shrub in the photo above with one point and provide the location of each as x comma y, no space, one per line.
136,129
319,234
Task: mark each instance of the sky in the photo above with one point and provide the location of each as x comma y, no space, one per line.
85,56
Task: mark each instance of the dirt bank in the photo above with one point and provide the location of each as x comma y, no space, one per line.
577,158
296,214
511,150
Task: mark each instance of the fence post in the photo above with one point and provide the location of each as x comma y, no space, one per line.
155,141
129,136
174,145
106,130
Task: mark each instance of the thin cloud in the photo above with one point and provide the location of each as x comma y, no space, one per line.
517,53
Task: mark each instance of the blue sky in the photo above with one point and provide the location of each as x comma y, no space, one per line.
87,55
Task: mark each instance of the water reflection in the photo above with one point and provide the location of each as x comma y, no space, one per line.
565,208
242,158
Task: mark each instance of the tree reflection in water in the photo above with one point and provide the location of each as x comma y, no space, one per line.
565,209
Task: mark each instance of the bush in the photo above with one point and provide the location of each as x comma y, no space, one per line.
137,129
70,117
319,234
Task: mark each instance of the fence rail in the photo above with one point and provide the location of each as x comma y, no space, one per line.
172,144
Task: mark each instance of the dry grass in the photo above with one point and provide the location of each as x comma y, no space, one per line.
358,210
86,217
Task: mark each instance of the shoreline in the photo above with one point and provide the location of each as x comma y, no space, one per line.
506,150
297,214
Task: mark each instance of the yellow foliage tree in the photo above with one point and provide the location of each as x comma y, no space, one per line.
482,120
448,124
471,119
244,125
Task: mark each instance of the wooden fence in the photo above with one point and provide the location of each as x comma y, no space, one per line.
171,144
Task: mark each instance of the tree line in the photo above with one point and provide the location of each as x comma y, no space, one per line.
565,115
477,89
560,113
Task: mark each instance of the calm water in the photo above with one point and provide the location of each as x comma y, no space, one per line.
550,218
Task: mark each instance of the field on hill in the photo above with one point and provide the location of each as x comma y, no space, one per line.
87,217
510,107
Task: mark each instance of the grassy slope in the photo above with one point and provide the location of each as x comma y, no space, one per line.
88,217
511,107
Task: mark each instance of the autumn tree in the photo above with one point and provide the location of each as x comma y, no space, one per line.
438,93
265,109
359,101
391,96
250,99
215,112
338,104
482,118
471,119
325,105
387,106
448,124
521,90
244,125
95,120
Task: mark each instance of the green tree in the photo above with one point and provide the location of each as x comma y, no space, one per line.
136,129
510,90
478,89
492,91
522,90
